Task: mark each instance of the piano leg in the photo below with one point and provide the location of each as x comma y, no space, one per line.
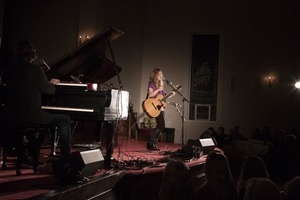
109,131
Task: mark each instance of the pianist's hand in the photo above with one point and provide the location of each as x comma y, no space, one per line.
54,81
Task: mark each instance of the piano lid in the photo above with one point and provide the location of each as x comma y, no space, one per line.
88,61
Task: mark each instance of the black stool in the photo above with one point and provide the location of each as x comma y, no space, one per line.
30,137
21,137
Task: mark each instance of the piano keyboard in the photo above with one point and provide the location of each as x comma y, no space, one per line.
72,84
103,105
67,109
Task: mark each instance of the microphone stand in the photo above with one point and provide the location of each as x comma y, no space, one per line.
176,89
115,66
110,148
178,110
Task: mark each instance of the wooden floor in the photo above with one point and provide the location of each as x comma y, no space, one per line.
136,174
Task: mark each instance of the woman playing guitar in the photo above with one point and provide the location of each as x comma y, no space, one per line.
156,95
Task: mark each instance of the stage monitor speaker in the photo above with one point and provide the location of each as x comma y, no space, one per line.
84,162
87,162
205,146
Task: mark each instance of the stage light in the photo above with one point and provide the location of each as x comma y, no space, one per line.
297,84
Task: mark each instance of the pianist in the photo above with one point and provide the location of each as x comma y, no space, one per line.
25,83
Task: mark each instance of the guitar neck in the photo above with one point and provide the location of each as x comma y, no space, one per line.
166,97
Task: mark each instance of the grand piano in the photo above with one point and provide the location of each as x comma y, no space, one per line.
82,93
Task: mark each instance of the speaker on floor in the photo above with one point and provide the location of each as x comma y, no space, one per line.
80,163
87,162
168,135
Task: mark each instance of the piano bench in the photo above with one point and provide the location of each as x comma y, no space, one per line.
23,137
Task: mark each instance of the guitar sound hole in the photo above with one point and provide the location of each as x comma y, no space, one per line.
154,106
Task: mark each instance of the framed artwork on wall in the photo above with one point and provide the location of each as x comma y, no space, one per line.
202,112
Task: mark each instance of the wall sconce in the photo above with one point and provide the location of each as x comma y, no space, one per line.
270,80
81,39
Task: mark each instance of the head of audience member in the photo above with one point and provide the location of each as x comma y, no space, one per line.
255,134
291,140
253,166
211,130
266,134
292,189
220,137
217,169
294,132
176,182
218,176
236,128
235,133
208,133
220,130
280,135
262,189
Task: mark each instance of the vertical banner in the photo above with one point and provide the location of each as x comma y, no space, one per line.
204,75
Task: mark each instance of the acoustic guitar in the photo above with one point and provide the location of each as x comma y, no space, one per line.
152,106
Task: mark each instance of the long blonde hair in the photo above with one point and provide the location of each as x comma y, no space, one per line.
153,77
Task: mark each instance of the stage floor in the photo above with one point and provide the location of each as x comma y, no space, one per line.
130,158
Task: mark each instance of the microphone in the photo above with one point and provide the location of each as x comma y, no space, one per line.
175,87
178,87
111,85
168,82
172,103
164,79
44,63
76,79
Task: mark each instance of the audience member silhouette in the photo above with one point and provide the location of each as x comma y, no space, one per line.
252,166
255,134
292,145
279,156
220,136
294,132
262,189
219,183
266,135
176,182
292,188
208,133
235,133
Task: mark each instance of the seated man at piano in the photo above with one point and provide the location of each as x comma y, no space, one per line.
25,83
